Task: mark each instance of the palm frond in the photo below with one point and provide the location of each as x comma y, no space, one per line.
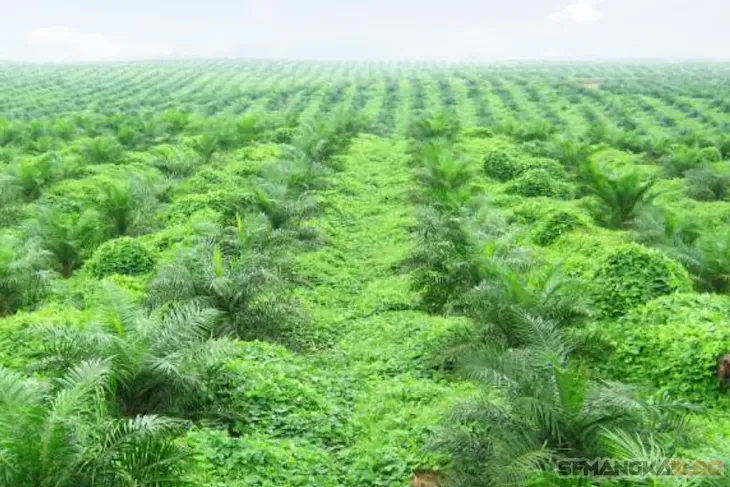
16,390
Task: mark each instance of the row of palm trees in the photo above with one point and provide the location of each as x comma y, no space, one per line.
539,400
102,139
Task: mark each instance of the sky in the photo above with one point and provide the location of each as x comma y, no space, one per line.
454,30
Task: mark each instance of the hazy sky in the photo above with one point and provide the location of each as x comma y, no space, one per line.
83,30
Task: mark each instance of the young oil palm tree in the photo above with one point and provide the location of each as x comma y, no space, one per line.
707,183
706,255
657,146
10,190
10,132
69,237
455,252
156,359
207,145
623,445
571,154
11,201
64,129
286,208
509,293
440,125
537,406
708,260
33,174
443,260
247,286
117,206
24,274
302,173
252,234
445,178
668,231
680,159
61,434
102,150
621,196
317,141
248,128
174,161
123,204
175,120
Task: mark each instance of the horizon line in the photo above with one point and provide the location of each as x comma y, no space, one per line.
435,61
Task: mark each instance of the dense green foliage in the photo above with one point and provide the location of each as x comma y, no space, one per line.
62,435
24,274
545,408
672,342
501,165
233,273
539,182
124,256
558,224
632,275
621,197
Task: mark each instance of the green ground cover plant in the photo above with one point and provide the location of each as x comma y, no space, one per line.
238,273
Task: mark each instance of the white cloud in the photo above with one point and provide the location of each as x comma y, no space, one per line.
579,12
62,44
